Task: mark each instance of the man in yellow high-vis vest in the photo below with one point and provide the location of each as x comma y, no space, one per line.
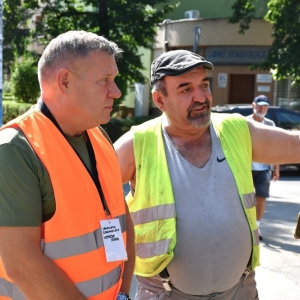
192,198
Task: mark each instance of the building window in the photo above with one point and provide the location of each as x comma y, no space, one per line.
286,95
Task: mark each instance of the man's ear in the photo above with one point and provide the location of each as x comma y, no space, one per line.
159,100
62,79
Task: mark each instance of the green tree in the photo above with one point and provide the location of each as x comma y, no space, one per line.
283,56
130,24
16,15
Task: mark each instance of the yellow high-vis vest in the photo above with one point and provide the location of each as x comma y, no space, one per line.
152,207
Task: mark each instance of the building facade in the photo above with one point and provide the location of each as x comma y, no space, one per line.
202,27
232,54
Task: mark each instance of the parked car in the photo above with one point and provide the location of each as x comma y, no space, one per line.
282,117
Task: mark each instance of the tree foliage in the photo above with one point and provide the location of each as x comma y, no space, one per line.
130,24
16,14
283,57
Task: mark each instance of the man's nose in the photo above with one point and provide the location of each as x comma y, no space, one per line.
199,95
114,91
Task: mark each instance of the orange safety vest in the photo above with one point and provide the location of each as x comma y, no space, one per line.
72,238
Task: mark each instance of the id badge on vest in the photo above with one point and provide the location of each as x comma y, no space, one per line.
113,240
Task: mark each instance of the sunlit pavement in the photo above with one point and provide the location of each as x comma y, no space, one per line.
278,277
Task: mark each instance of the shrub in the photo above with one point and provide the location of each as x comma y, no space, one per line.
6,87
11,110
24,80
115,128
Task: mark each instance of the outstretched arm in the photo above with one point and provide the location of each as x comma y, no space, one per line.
273,145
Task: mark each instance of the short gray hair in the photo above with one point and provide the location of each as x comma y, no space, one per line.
70,46
160,86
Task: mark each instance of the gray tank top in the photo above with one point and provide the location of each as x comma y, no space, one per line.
213,236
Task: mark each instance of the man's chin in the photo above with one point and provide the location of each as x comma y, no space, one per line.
199,121
260,115
105,120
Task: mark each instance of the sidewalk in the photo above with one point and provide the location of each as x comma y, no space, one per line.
272,284
278,276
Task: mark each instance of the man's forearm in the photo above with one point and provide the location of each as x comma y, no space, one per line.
276,172
37,276
46,281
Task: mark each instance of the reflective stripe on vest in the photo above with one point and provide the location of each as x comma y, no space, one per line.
99,285
88,288
249,200
151,214
145,250
159,212
77,245
10,290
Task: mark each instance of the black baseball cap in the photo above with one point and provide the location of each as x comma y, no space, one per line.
176,62
261,100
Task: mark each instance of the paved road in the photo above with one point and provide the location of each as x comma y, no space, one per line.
278,277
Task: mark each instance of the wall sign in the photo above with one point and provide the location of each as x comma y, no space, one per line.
263,88
236,55
222,80
266,78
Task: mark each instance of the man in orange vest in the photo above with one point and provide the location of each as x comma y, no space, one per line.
65,230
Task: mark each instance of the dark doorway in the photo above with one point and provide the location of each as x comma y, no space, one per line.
241,88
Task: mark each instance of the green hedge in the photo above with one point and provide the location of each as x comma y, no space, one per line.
12,109
114,128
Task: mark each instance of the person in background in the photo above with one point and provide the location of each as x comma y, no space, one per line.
192,202
262,173
65,229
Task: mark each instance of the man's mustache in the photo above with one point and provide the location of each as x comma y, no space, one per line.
198,105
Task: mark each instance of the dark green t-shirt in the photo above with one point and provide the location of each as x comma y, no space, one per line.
26,193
